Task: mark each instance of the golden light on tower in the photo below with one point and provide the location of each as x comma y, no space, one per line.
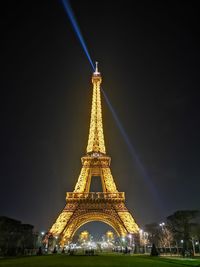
109,235
84,206
96,138
84,236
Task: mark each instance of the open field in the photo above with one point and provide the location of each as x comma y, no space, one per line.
97,261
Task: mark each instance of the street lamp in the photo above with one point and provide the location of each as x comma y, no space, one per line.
123,241
130,239
40,238
143,239
56,243
162,224
198,243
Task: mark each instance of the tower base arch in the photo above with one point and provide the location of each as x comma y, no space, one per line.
79,211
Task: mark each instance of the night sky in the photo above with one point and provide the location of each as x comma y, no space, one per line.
149,58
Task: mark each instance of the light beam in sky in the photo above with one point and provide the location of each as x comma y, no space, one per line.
76,28
134,154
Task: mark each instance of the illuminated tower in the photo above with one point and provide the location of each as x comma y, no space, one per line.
83,206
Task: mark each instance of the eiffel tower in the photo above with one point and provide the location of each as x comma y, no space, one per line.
83,206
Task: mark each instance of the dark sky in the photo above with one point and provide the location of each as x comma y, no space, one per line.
149,58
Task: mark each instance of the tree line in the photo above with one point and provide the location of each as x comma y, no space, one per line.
179,234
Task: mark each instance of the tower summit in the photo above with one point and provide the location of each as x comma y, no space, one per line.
96,69
96,141
83,206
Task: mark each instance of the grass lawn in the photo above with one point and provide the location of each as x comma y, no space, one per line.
97,261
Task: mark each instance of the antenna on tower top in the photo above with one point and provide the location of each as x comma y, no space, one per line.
96,68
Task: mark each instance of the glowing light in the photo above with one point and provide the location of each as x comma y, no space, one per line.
96,138
84,236
109,235
128,221
142,170
96,144
133,152
82,180
76,28
162,224
84,206
109,181
61,222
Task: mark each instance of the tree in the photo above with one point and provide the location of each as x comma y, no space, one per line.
159,235
181,224
195,232
166,237
153,233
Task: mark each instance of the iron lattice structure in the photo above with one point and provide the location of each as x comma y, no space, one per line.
83,206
